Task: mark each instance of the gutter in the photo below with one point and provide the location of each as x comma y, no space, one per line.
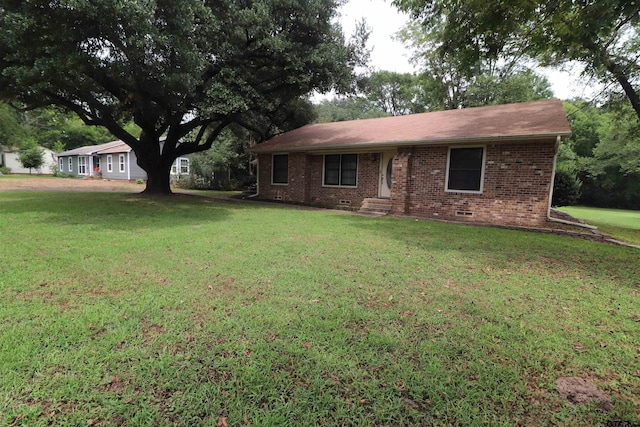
251,196
553,178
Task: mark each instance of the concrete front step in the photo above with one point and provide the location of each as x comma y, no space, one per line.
375,207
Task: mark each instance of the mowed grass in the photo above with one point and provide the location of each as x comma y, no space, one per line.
620,223
126,310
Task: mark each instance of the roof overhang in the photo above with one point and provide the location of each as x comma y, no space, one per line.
379,146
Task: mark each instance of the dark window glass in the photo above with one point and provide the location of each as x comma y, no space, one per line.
465,169
341,169
349,169
280,168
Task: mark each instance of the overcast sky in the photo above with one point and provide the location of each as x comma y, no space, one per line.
391,55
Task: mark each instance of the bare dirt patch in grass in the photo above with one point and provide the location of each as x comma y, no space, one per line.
48,183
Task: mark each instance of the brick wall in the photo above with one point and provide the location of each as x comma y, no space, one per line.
305,181
517,181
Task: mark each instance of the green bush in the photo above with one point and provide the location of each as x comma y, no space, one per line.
566,189
5,170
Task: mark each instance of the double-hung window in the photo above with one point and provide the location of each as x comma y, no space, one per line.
109,163
280,173
70,164
184,166
60,164
121,163
82,165
340,170
465,169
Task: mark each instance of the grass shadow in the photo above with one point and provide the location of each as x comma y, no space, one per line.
119,211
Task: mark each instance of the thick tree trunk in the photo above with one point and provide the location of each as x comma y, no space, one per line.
158,180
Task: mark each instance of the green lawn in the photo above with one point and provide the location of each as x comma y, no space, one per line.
621,224
125,310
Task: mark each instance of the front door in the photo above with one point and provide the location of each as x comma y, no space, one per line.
386,166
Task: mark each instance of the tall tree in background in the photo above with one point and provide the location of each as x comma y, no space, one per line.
394,93
451,80
11,129
172,66
350,108
603,35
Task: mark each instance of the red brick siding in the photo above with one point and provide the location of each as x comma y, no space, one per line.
305,181
517,178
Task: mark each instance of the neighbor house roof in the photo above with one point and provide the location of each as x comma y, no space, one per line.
528,120
111,147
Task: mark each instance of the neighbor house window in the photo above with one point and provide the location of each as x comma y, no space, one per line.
82,165
109,163
70,164
280,169
60,164
184,166
340,169
121,162
465,169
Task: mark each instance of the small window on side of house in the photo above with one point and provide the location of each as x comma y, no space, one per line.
70,164
60,164
109,163
465,169
280,169
121,162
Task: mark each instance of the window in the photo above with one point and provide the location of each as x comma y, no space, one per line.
109,163
70,164
280,169
465,169
82,165
184,166
60,164
121,162
340,169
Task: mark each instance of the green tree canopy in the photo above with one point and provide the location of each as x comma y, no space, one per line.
603,35
450,81
12,131
172,66
350,108
31,157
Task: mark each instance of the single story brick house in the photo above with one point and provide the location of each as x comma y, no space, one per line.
113,160
490,164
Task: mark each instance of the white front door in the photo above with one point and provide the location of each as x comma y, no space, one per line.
386,166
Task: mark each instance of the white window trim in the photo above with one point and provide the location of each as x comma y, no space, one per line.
70,164
60,164
180,160
85,164
121,165
324,158
273,170
484,158
109,163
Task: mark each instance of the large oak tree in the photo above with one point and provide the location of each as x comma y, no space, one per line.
174,67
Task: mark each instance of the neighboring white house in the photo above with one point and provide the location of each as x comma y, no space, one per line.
113,160
9,157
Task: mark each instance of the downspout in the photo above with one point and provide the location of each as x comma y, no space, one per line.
553,178
257,177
